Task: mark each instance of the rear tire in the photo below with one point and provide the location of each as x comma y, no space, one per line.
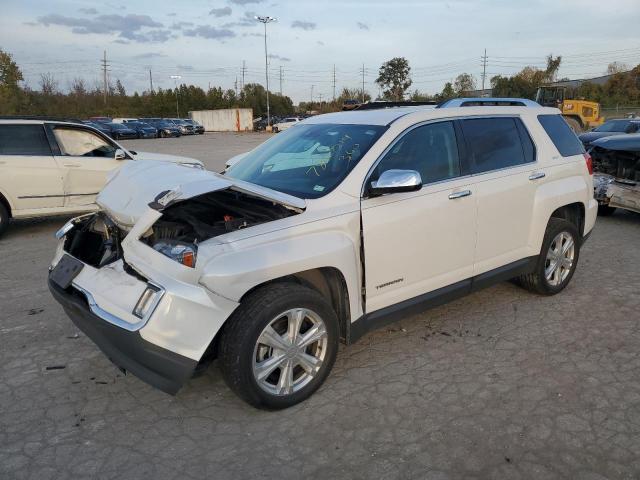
4,219
560,247
264,356
605,210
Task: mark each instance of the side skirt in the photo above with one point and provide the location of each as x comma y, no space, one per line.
384,316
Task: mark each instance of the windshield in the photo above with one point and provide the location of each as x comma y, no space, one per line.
613,126
307,161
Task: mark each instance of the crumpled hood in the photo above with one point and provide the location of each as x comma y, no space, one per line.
141,184
589,137
629,142
165,158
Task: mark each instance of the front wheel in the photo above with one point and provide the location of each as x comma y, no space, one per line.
279,345
557,260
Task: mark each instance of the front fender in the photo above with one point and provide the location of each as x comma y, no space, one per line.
234,273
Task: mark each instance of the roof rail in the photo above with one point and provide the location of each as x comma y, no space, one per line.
382,104
488,102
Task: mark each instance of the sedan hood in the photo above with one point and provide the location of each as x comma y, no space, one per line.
143,184
629,142
589,137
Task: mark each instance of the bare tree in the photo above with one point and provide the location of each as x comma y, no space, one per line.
617,67
78,87
48,84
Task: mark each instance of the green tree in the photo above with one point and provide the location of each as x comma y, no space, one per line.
11,95
393,78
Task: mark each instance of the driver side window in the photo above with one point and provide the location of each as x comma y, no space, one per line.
431,150
76,142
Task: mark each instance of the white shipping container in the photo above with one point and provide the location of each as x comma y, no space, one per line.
224,120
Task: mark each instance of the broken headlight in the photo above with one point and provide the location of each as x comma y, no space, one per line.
182,253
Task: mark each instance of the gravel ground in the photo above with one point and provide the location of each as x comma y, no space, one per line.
501,384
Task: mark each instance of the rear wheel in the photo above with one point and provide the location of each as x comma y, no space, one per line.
557,260
4,219
279,345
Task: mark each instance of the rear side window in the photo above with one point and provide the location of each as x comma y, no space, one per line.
496,143
23,140
561,135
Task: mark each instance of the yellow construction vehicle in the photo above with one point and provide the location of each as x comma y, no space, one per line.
580,114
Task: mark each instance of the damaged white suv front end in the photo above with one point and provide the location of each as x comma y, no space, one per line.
128,276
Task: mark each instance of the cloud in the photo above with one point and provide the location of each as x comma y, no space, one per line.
172,14
207,31
362,26
278,57
126,26
186,68
245,2
88,11
181,25
303,25
220,12
247,20
144,56
320,42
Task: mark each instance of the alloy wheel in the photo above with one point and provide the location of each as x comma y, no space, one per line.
290,351
560,258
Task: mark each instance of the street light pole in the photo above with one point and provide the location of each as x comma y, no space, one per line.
176,78
266,20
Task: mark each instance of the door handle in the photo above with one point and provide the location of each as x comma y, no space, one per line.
72,165
537,175
463,193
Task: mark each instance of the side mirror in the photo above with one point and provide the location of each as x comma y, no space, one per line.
394,181
120,155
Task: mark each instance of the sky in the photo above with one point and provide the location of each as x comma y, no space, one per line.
206,42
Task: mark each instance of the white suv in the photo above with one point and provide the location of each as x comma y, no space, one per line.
53,168
333,228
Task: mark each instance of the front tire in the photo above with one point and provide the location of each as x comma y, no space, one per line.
279,345
557,260
4,219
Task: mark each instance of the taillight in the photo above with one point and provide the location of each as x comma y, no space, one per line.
587,158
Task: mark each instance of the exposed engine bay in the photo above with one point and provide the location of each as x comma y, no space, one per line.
617,178
213,214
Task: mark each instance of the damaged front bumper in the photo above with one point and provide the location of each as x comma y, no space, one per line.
162,343
159,367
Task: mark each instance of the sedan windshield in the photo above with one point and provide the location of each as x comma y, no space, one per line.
307,161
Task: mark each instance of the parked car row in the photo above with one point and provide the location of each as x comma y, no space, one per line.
153,127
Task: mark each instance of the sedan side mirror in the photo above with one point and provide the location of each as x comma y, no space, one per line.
120,155
395,181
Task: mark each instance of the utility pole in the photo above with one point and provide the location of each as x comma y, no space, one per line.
363,83
484,68
243,70
266,20
104,76
334,82
312,95
280,80
235,86
150,81
176,78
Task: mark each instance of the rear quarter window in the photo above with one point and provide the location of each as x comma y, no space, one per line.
561,135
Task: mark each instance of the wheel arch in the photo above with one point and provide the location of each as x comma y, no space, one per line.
5,202
572,212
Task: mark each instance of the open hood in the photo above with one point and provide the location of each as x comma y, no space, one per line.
143,184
